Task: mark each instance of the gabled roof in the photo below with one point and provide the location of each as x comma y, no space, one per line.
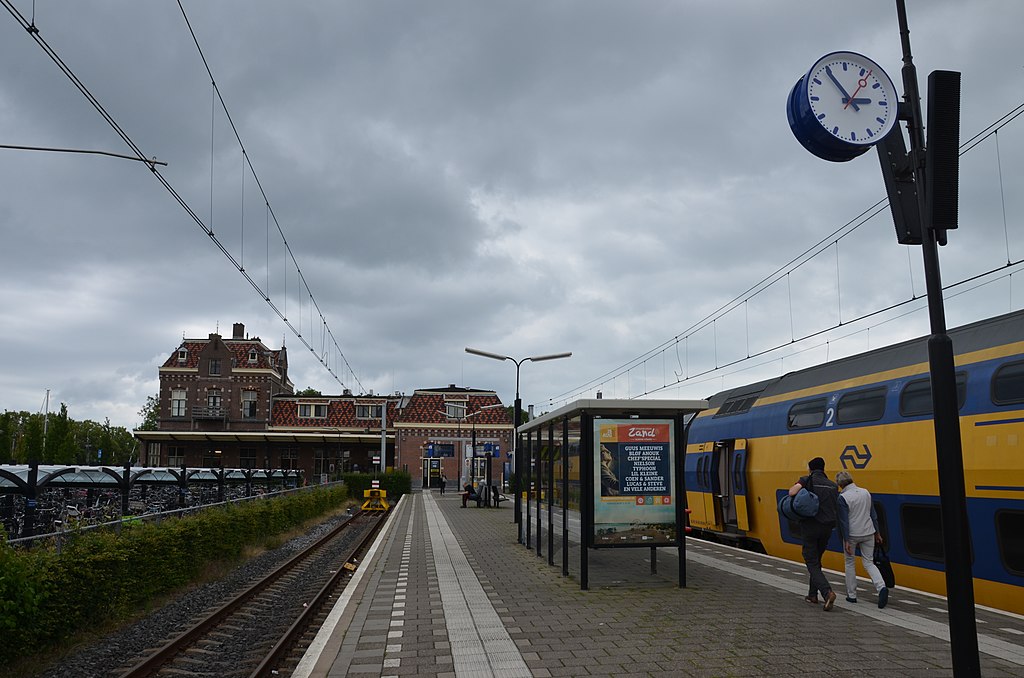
341,412
428,407
239,348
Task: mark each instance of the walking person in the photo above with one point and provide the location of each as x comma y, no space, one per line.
815,532
858,528
444,480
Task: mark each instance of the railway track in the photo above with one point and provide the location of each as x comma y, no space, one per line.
263,630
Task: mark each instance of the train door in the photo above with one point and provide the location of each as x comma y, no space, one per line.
739,483
730,491
708,486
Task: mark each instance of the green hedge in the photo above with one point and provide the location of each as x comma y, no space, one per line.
46,597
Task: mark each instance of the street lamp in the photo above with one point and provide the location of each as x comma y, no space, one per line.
517,413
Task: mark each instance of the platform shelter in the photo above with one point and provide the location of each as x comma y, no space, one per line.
613,472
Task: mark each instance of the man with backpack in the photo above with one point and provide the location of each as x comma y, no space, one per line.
815,532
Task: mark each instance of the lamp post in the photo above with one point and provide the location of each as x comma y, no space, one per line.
517,413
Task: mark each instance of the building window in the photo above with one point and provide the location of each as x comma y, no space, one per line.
213,399
312,411
289,459
867,405
808,414
153,454
182,355
455,410
178,402
253,355
368,411
212,458
175,456
214,367
247,458
249,404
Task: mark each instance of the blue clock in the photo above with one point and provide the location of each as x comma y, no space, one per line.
843,106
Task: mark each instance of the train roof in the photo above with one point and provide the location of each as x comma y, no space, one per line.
996,331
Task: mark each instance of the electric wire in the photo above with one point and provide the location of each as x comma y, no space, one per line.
33,31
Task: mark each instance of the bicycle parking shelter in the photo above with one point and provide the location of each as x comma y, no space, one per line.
619,468
27,480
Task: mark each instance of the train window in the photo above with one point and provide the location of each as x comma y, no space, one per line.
1008,384
1010,538
807,414
868,405
922,531
737,405
916,397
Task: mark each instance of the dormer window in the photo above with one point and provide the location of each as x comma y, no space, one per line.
455,410
182,355
253,356
214,367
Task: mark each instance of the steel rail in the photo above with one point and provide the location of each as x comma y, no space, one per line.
163,655
295,631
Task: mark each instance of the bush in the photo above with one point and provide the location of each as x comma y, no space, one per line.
46,597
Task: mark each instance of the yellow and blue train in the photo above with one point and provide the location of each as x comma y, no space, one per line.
871,414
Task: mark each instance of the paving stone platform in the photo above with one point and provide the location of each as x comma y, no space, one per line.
450,592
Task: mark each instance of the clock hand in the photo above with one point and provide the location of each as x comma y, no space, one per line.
859,100
828,72
861,84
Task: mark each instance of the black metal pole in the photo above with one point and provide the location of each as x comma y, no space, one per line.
517,459
963,635
491,499
540,485
551,493
565,496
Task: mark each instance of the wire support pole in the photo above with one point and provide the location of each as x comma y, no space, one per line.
963,635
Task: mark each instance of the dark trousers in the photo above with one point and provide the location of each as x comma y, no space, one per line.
442,487
815,538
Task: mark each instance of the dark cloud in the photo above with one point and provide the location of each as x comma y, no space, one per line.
525,178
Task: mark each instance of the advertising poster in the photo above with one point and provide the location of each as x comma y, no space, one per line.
634,482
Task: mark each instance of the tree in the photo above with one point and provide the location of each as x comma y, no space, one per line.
309,391
60,438
150,414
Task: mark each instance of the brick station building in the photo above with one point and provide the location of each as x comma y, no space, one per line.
228,402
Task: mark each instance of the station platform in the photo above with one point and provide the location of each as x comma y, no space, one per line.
448,591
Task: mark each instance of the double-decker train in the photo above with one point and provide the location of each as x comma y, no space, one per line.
871,414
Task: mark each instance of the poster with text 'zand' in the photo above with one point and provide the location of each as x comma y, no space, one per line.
634,482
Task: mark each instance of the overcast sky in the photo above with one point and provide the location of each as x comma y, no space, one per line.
525,178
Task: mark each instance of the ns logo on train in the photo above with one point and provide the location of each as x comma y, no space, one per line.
853,457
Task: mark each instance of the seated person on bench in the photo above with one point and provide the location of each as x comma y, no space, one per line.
469,493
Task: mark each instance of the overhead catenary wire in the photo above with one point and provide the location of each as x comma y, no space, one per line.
832,239
138,154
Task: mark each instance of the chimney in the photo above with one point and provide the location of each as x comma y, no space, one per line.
239,331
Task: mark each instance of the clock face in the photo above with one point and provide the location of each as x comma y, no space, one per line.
852,98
